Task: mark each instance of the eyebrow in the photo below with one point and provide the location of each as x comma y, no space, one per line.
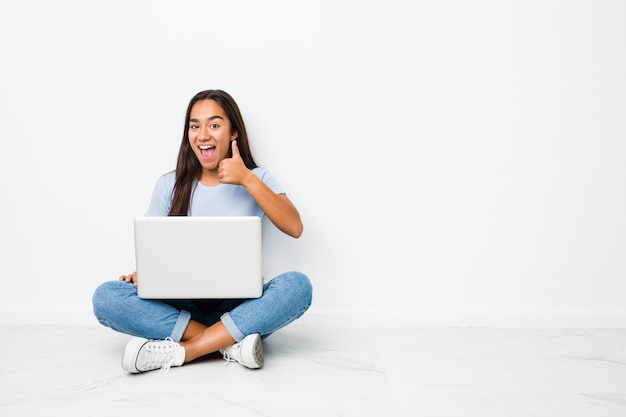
210,118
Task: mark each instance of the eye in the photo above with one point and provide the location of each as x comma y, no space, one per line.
193,126
214,126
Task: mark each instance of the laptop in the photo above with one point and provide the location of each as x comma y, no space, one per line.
185,257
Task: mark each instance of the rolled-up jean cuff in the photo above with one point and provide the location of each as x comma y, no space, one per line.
231,327
181,325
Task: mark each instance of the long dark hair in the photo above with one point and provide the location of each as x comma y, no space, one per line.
188,168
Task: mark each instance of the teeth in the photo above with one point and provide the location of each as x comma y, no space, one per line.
206,146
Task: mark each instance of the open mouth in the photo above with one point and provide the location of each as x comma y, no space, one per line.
206,150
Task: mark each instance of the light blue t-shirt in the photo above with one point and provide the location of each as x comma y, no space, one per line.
219,200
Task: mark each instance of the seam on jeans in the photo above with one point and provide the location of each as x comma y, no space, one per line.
293,318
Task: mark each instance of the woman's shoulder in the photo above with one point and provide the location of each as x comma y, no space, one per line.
263,174
167,180
268,179
160,203
260,171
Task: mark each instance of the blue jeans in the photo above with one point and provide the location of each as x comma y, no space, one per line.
285,298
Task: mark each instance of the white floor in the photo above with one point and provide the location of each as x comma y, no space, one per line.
325,371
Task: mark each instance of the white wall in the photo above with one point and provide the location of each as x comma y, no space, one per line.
455,162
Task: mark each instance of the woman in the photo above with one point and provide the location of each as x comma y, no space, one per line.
215,175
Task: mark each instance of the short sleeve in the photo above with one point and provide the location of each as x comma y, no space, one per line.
268,179
161,201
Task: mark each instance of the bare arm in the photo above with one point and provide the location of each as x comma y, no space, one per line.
277,207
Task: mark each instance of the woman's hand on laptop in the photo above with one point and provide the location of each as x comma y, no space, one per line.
130,278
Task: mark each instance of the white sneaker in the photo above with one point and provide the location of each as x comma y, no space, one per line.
142,355
248,352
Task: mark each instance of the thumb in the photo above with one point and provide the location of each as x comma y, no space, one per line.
235,149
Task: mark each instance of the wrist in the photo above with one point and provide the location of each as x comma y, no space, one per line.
249,179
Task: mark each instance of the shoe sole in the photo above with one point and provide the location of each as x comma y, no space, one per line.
129,358
253,347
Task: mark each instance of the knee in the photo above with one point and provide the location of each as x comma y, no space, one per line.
298,286
107,297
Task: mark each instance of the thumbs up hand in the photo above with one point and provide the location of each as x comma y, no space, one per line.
233,170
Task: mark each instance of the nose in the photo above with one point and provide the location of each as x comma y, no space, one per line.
204,133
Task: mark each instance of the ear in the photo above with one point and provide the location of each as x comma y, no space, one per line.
234,135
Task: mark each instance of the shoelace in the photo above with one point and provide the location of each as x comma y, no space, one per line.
228,357
160,354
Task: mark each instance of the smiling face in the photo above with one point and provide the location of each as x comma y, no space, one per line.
210,135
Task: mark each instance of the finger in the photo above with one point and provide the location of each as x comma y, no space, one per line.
235,149
221,168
